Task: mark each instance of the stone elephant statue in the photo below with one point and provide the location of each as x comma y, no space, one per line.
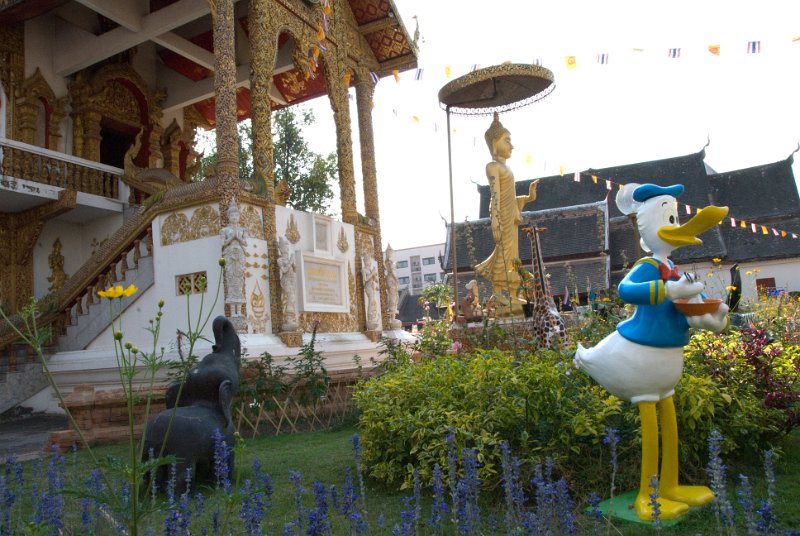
204,406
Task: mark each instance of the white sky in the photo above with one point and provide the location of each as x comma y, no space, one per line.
641,106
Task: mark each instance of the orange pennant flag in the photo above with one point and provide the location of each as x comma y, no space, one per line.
743,225
347,75
764,230
447,72
396,74
415,119
783,234
320,33
594,179
571,62
714,49
561,170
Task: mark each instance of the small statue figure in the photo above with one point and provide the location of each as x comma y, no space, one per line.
203,410
392,288
286,266
234,242
371,289
642,360
505,208
57,276
471,305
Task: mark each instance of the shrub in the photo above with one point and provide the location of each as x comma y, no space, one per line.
539,406
543,407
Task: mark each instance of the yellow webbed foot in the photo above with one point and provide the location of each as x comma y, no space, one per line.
692,495
669,509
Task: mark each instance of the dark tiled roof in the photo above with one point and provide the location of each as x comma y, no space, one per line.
571,232
762,192
409,308
744,245
557,191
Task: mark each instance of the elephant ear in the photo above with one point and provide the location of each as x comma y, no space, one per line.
225,400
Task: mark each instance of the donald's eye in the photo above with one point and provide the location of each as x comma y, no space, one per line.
672,219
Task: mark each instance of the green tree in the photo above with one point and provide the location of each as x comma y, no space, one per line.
308,174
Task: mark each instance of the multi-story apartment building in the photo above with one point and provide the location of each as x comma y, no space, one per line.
418,267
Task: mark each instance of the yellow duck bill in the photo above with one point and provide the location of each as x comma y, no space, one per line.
686,234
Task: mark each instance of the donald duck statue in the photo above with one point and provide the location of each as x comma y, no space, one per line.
642,360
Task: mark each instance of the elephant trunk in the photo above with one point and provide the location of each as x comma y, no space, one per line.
226,339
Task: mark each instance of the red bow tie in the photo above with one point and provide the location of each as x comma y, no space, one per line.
668,273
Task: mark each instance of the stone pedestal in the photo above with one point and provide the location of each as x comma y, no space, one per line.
292,338
374,334
239,323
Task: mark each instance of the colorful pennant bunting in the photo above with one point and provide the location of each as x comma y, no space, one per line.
754,47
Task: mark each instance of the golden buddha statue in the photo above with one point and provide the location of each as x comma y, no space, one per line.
505,209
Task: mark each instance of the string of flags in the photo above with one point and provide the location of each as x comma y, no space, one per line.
603,58
571,62
319,47
735,223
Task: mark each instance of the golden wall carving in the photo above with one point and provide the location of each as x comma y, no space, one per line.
252,220
19,232
342,243
118,92
178,227
292,233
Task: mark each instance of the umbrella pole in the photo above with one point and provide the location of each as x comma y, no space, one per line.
452,217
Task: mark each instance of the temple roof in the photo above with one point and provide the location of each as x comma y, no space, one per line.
182,35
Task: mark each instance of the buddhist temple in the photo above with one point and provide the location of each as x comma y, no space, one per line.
100,103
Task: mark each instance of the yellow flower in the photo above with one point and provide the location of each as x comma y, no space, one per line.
709,274
730,288
748,272
117,292
716,260
756,270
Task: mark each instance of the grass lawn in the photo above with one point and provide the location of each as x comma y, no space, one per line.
324,456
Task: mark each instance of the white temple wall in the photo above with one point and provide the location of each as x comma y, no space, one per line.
786,273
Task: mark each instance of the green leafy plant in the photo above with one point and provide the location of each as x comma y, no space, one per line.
310,379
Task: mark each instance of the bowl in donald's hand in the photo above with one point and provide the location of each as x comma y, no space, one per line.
697,308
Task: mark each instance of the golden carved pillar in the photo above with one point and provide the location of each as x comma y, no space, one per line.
12,68
337,94
263,52
91,134
225,104
27,111
365,88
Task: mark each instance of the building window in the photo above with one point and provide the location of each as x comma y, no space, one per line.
196,283
416,281
427,261
430,278
401,264
403,280
765,285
